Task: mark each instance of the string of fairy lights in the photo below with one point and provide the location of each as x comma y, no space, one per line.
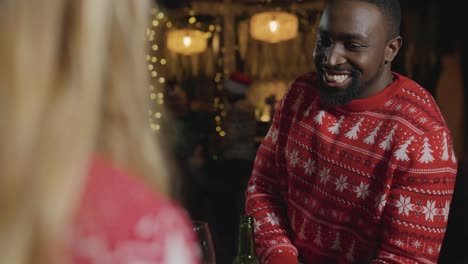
156,62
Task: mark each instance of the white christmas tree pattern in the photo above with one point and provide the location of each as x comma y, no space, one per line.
352,134
445,151
401,153
371,138
293,221
335,128
337,242
318,237
350,254
306,113
446,211
426,152
301,234
318,118
454,159
385,144
298,102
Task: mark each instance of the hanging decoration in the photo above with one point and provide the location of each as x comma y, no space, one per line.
186,41
156,63
274,26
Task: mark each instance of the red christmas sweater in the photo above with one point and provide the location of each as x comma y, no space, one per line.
120,220
367,182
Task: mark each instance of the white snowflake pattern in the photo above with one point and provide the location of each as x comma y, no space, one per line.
257,225
388,103
430,250
334,213
325,175
309,167
422,120
430,210
416,244
314,203
412,110
362,191
272,219
399,242
404,205
398,107
251,189
294,158
341,183
274,136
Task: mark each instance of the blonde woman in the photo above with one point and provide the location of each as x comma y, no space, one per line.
76,154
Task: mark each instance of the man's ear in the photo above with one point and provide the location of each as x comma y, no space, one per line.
393,46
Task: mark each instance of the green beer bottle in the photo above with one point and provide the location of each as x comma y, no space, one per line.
246,251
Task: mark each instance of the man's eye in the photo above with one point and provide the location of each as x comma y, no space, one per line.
354,46
323,42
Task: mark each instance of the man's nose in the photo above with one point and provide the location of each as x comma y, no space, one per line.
335,55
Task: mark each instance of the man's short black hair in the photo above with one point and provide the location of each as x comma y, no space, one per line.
391,10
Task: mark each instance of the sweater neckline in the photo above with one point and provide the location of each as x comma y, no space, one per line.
364,104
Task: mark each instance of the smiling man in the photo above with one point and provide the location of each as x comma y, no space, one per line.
358,165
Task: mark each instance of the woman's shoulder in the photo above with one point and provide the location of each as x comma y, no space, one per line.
122,219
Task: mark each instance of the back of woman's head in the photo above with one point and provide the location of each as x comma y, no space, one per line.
72,85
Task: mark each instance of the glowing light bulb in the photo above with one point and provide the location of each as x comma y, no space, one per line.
273,25
187,41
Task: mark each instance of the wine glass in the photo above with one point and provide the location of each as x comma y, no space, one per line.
206,247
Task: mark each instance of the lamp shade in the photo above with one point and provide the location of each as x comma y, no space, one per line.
274,26
186,41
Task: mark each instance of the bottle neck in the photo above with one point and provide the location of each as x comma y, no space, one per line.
246,241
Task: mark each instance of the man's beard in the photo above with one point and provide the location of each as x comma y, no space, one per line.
330,96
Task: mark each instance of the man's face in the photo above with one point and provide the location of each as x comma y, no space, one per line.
350,51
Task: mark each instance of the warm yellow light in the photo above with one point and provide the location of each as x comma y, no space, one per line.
186,41
163,61
192,20
274,26
155,23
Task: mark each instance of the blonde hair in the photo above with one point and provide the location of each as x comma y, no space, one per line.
72,85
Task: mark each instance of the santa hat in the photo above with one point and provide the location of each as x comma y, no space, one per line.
237,83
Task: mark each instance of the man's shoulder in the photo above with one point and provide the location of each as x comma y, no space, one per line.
417,104
306,80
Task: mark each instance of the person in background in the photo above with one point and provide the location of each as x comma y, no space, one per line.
238,152
358,165
83,180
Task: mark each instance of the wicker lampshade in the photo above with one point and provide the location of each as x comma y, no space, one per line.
186,41
274,26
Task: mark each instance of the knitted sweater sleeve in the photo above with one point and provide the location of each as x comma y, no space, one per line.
415,212
266,198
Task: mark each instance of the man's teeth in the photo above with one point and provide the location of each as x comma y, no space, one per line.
336,78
